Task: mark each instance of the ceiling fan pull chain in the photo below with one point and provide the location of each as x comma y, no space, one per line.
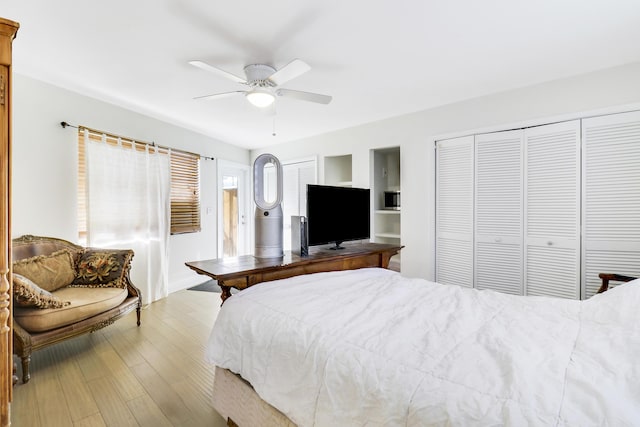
274,127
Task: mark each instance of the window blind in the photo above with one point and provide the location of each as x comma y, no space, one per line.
185,192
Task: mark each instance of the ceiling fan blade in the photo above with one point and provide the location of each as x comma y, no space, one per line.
293,69
304,96
219,95
218,71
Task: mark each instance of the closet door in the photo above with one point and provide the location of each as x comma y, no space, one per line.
611,205
454,211
498,211
552,210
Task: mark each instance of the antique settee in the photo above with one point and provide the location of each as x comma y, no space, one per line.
62,290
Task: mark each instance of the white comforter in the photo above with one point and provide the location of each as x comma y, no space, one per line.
369,347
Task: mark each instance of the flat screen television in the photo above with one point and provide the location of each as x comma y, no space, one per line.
337,214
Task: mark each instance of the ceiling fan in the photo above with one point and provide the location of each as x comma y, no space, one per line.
264,83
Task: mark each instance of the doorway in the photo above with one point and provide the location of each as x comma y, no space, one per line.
233,209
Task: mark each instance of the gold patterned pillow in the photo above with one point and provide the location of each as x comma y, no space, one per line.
50,272
28,294
103,268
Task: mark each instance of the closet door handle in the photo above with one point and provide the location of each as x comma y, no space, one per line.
549,243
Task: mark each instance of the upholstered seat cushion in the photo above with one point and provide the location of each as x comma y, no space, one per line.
85,302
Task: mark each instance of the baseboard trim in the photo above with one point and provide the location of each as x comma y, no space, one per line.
188,282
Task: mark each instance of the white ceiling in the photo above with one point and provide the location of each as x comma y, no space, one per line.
377,58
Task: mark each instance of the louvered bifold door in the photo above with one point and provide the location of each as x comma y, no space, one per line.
552,210
454,211
611,203
498,211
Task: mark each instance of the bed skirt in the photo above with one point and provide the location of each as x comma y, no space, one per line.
240,405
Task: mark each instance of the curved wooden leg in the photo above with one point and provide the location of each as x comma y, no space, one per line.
138,314
26,376
226,292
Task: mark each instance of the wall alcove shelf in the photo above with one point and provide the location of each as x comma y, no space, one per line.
338,170
385,176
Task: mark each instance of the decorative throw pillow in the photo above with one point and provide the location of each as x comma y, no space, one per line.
103,268
28,294
51,272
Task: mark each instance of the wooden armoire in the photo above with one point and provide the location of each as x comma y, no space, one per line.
8,31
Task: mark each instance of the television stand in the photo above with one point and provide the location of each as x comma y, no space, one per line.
337,247
245,271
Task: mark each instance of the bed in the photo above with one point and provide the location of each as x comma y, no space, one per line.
370,347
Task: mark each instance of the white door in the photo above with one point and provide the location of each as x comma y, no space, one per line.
611,205
234,216
454,211
498,211
296,175
552,210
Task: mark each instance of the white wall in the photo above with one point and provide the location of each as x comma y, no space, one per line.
45,156
611,90
45,166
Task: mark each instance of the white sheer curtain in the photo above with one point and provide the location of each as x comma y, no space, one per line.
128,207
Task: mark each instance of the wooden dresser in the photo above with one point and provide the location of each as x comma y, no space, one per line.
244,271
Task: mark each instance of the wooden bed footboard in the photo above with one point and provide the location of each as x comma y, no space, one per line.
607,277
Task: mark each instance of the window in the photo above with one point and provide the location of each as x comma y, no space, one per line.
185,184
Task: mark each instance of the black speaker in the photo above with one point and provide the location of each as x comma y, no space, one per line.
299,236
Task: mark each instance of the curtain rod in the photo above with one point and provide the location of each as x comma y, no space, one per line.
153,144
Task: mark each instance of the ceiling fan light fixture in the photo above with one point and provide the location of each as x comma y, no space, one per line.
260,98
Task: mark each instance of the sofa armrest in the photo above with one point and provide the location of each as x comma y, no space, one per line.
133,290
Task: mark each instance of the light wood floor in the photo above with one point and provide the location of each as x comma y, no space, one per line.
122,375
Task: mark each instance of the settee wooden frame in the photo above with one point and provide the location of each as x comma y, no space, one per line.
24,342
